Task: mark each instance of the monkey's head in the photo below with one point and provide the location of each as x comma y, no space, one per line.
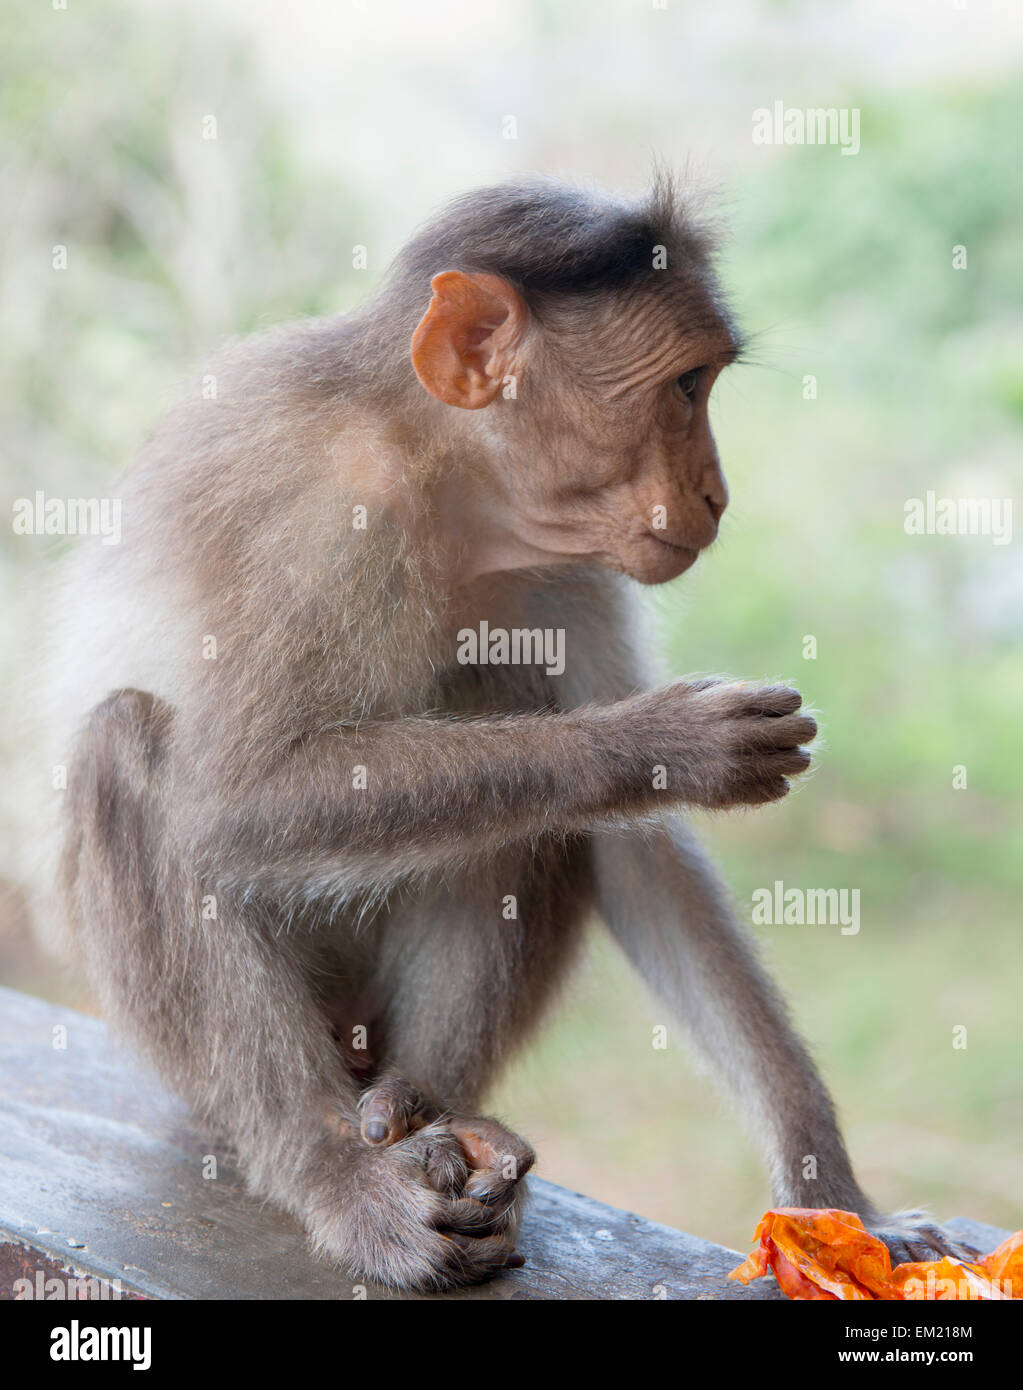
587,334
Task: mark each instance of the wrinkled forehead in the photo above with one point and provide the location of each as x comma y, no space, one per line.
660,329
684,312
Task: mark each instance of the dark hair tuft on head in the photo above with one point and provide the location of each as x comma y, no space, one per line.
548,238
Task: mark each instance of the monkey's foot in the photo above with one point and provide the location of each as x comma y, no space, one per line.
910,1237
429,1201
497,1159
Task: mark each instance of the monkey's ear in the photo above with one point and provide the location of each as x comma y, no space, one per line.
465,343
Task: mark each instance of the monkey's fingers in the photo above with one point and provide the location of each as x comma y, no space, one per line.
772,700
771,733
749,698
389,1110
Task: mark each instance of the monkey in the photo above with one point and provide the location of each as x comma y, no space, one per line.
293,816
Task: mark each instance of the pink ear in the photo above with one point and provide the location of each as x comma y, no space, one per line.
465,342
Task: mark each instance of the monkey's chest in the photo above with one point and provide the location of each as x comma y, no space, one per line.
505,677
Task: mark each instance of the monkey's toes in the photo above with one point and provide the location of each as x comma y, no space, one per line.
483,1234
441,1157
473,1259
915,1243
466,1216
498,1158
387,1110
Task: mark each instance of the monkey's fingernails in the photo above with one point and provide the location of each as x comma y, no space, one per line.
515,1260
374,1131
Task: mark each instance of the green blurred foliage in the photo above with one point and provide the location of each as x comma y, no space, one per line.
174,241
918,663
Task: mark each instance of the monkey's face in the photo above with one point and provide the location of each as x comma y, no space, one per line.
598,416
616,460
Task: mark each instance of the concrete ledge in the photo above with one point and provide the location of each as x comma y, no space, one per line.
101,1177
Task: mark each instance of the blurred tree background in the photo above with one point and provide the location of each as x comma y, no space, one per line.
343,125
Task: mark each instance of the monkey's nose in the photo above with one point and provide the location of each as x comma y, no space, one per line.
716,507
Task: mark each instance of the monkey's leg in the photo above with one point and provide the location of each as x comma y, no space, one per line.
224,1005
468,969
663,901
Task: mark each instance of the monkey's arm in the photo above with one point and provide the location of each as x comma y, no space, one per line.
663,901
363,803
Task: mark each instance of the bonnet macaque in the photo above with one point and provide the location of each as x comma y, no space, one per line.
296,815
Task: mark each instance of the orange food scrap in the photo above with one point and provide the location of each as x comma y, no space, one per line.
830,1254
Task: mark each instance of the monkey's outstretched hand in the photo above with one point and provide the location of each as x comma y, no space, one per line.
832,1255
724,743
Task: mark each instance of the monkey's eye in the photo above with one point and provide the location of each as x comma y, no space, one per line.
689,381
